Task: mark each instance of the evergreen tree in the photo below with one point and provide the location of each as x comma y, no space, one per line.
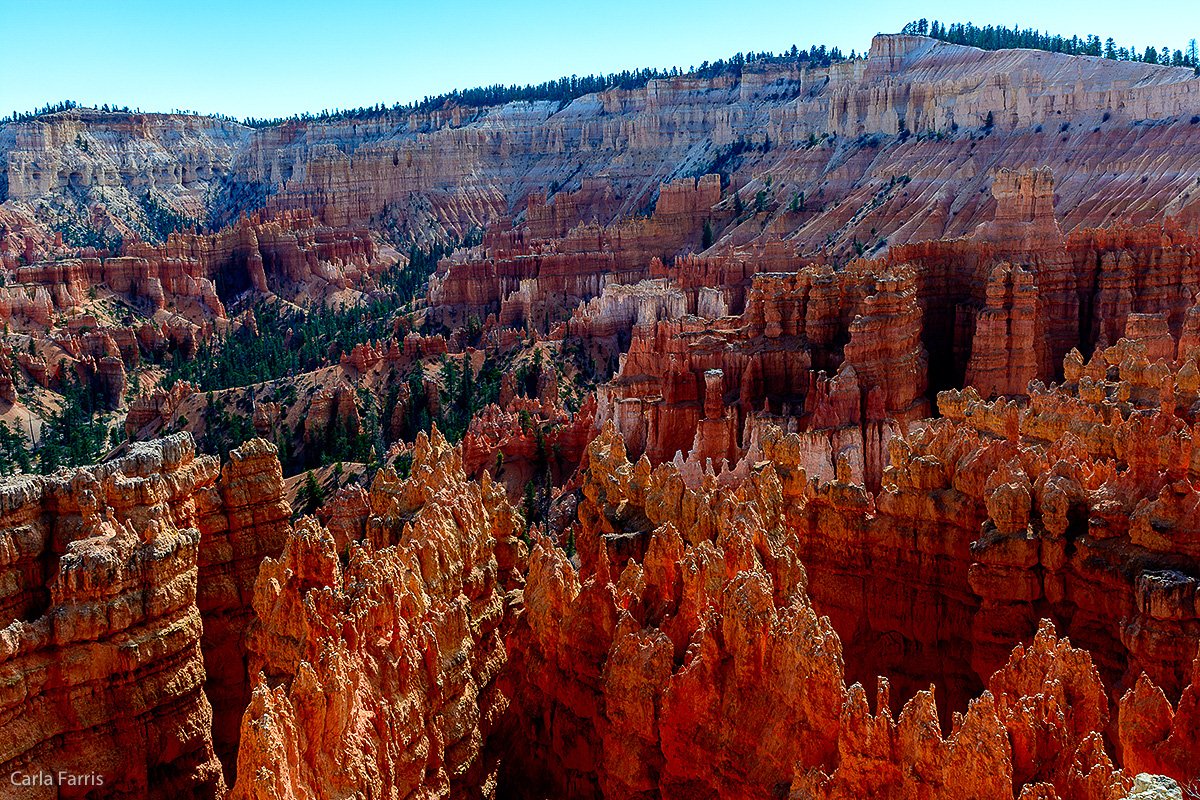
706,238
14,451
73,436
529,504
994,38
312,495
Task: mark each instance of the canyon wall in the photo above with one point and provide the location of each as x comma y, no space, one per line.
537,281
286,253
1005,305
130,593
102,645
243,518
1118,134
753,520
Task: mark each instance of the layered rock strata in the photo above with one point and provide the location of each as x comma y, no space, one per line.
538,281
1005,305
830,148
101,653
994,311
189,271
243,517
701,389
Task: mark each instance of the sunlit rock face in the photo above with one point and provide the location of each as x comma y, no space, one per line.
880,481
375,663
102,650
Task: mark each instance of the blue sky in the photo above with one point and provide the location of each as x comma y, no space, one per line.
273,58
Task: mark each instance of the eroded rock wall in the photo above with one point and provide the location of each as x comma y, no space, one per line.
1118,134
375,664
683,658
243,518
102,650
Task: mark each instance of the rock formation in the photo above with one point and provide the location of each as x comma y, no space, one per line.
102,648
797,129
1005,305
767,276
778,362
513,443
281,253
243,517
540,280
376,668
689,610
400,629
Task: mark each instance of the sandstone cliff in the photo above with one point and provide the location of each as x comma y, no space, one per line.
243,518
831,133
102,648
699,390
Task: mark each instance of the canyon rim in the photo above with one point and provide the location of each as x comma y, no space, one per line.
800,425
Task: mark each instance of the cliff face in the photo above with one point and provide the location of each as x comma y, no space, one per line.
813,348
638,138
831,133
129,594
832,356
243,518
286,253
101,653
120,151
537,275
1005,305
1025,88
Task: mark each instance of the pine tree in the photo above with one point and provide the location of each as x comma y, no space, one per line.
529,504
706,238
312,495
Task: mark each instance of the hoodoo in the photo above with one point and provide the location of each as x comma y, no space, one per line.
797,425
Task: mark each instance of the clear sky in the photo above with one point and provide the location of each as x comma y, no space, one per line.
272,58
